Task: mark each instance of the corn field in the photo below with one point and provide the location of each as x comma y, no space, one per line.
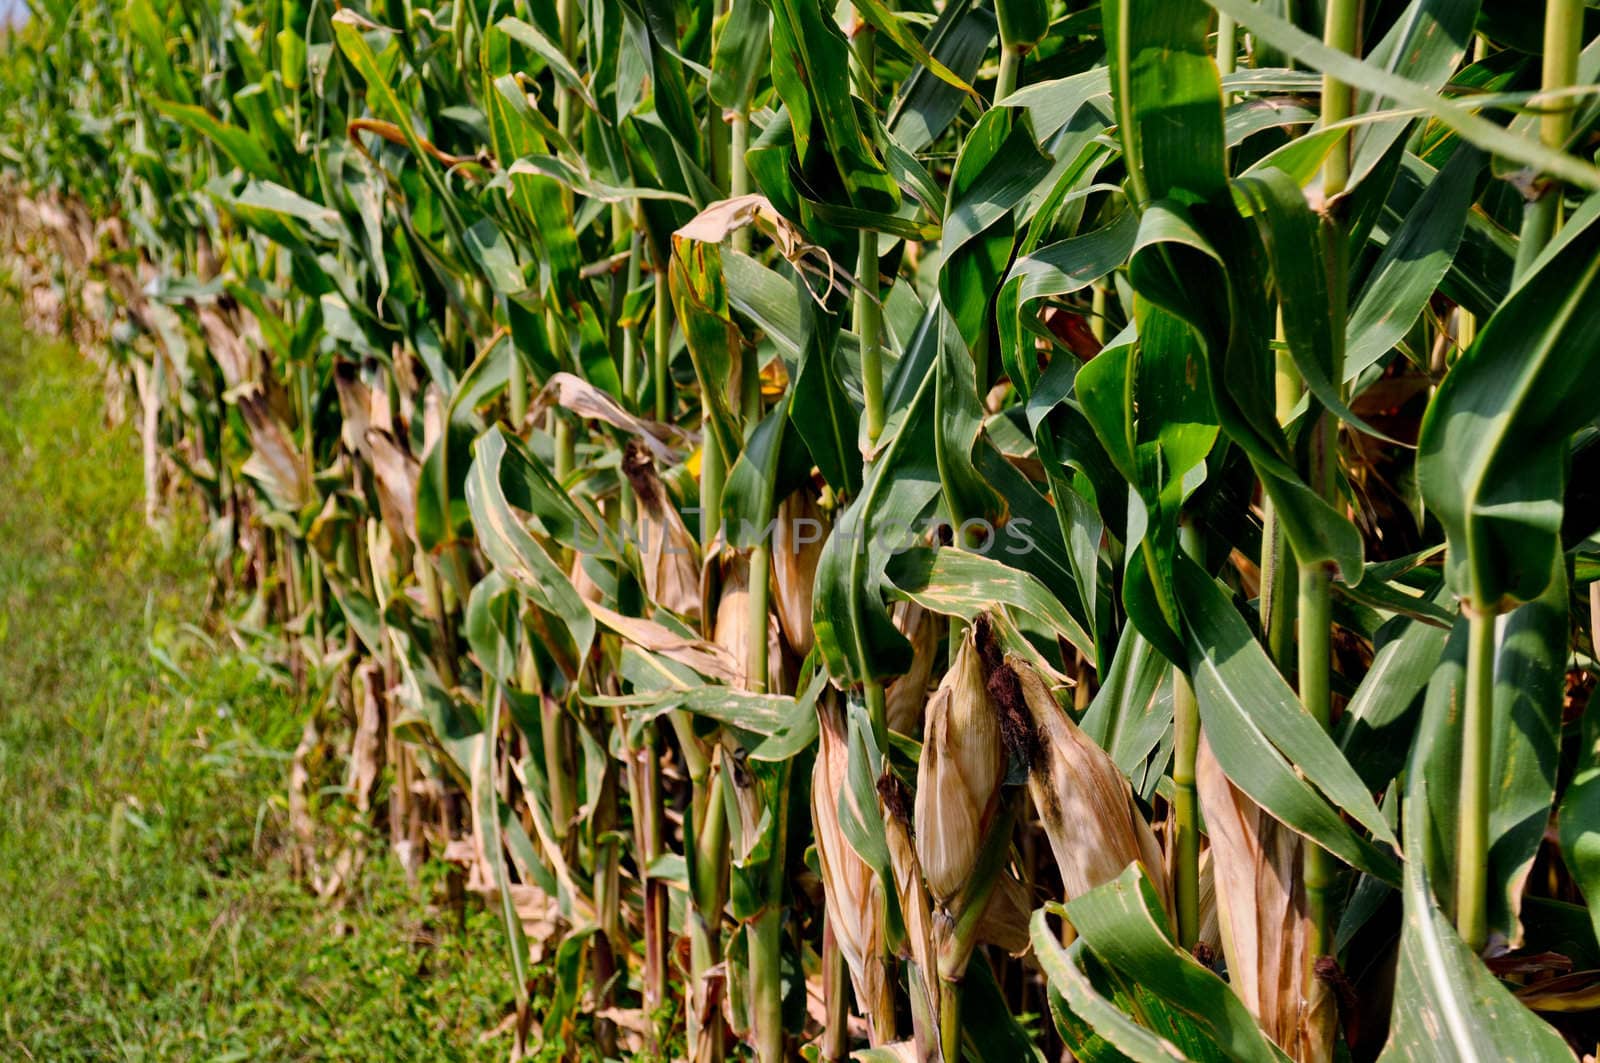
1004,530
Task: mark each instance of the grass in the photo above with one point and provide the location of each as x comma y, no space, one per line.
146,907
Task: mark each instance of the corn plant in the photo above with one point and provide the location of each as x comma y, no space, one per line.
953,529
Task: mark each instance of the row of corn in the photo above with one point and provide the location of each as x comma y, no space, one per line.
990,530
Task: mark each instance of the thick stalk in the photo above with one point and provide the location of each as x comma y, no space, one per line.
1010,67
630,334
660,373
712,474
766,938
1315,638
710,889
1279,579
869,329
565,447
630,368
950,1020
868,311
1563,37
760,595
1315,599
567,19
1477,748
566,106
739,184
517,394
1185,809
1315,605
1338,99
1227,49
835,1045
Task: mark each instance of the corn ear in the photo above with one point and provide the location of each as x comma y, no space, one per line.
906,696
1084,801
669,554
852,894
797,540
958,774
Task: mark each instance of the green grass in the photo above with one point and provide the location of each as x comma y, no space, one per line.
146,908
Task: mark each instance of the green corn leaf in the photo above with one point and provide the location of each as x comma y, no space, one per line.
1376,728
1530,687
1447,1006
1265,741
1122,923
1492,450
740,54
811,72
241,146
502,472
1374,79
1411,266
1133,707
1167,96
965,584
1110,1035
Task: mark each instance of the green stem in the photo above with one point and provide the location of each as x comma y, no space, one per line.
1563,38
567,18
1010,67
869,327
1315,605
552,724
517,393
868,320
835,1044
1185,808
712,474
738,185
660,367
1477,747
877,710
950,1020
1539,219
766,953
760,593
564,445
1279,578
630,334
1315,694
1227,49
709,886
1338,99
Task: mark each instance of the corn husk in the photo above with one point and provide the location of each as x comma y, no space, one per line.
797,540
958,775
906,697
1262,916
1005,918
670,555
395,477
851,892
923,926
730,616
1084,801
